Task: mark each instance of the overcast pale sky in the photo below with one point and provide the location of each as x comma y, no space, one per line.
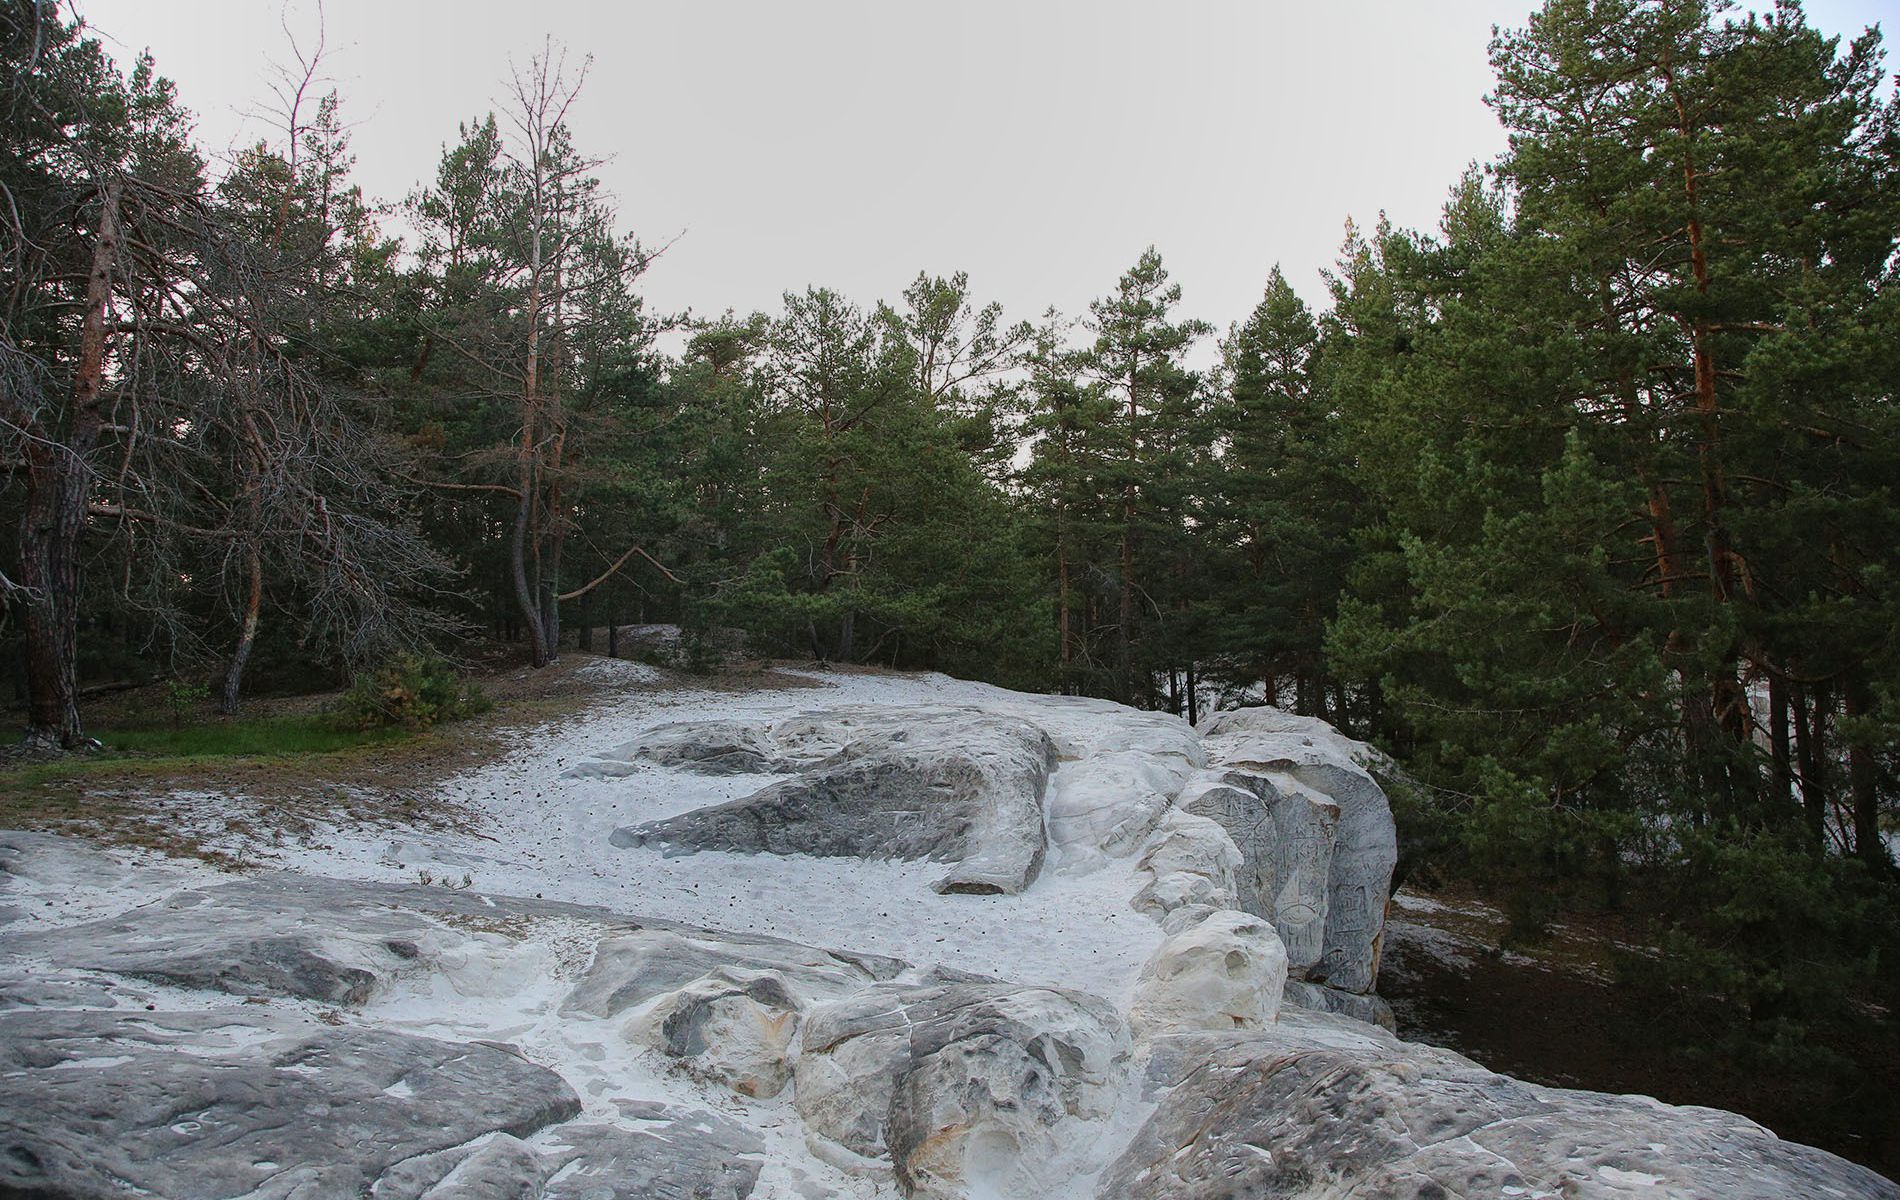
1037,144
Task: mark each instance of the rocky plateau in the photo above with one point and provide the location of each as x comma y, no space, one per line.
879,936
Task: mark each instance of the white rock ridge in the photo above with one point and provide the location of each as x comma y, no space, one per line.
1315,835
883,936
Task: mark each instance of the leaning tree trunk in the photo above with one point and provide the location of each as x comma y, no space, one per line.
524,590
58,477
247,632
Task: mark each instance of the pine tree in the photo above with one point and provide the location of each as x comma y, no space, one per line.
1153,437
1281,503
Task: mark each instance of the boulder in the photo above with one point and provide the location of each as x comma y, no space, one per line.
965,1088
1285,839
218,1105
1222,972
1317,840
944,784
675,1152
1262,736
1191,860
629,970
1373,1010
732,1027
1321,1107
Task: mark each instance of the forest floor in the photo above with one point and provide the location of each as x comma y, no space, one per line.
1554,1013
390,779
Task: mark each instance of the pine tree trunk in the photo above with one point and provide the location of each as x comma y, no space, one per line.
55,510
247,633
49,570
551,593
1062,607
1861,782
1810,727
527,536
1126,615
1780,749
518,573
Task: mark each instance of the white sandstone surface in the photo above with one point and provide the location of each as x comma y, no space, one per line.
789,1025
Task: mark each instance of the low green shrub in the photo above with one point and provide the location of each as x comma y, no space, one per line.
410,691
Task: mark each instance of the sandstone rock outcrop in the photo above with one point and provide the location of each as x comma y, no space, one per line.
733,1027
292,1037
1315,834
1320,1107
954,785
229,1104
1191,861
1223,971
965,1088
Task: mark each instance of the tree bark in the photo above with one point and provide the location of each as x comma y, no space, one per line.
247,633
1810,727
1862,774
58,477
518,574
1780,747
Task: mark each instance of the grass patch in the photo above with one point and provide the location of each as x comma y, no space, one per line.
259,737
154,752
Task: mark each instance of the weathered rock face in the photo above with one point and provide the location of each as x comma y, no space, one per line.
629,970
733,1027
677,1152
1373,1010
955,785
1285,842
1104,806
1224,971
343,942
200,1104
708,747
258,938
501,1168
1315,835
1192,861
966,1088
1321,1108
